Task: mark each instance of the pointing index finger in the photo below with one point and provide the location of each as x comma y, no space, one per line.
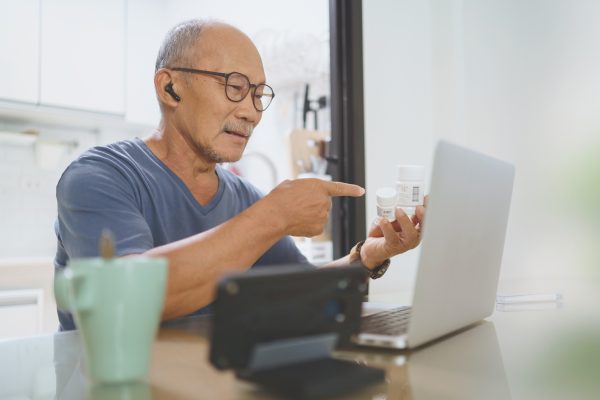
336,189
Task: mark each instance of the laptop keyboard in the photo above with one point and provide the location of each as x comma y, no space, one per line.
391,322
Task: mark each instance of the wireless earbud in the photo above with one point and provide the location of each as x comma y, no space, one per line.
169,89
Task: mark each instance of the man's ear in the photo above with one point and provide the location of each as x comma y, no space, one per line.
165,88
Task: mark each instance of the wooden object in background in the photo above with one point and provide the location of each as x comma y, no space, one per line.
301,150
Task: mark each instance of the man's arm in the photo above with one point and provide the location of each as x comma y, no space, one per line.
198,262
298,208
93,195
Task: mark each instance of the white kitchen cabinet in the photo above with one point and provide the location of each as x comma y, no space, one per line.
21,312
19,50
83,54
27,305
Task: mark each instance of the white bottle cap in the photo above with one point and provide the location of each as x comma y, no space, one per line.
386,197
411,173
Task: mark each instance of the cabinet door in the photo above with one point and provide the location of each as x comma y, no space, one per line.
19,50
83,54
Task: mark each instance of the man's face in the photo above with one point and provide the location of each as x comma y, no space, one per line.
217,128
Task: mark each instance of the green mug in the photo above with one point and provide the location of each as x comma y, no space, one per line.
117,304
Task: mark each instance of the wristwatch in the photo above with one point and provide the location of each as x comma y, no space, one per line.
374,273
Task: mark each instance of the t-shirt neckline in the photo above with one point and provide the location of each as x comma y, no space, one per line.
204,209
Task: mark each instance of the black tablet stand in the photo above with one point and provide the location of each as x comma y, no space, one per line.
277,327
303,368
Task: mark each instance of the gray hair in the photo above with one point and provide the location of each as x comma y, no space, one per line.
178,42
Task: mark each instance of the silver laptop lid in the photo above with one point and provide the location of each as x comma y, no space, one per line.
463,241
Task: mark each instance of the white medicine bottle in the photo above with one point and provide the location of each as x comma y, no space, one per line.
386,203
410,187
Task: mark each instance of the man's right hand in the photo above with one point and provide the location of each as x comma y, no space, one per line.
303,205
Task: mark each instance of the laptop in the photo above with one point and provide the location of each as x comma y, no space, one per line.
462,244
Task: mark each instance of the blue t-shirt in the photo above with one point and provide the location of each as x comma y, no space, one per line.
125,188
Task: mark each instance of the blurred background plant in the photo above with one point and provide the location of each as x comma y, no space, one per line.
586,204
568,365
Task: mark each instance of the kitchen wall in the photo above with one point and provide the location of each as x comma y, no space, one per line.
27,201
517,80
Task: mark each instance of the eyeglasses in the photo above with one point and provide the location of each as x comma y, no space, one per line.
237,87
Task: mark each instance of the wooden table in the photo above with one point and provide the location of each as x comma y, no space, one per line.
532,351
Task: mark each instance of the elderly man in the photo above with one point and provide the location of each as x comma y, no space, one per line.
167,196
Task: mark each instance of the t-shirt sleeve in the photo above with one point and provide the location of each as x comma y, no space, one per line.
284,251
93,195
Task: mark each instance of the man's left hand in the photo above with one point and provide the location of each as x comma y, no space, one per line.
387,239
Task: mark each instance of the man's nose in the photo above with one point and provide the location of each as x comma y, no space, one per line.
247,111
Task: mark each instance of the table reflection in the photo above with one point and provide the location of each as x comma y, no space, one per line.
465,365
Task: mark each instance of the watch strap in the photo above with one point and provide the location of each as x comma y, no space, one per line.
374,273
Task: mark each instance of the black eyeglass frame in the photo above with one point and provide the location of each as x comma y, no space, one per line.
251,86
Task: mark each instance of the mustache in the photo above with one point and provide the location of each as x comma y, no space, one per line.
239,127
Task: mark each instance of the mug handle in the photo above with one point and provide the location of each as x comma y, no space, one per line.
71,291
82,290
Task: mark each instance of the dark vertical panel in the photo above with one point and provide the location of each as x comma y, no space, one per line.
347,120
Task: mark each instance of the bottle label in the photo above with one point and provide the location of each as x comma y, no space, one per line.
386,212
410,194
415,193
